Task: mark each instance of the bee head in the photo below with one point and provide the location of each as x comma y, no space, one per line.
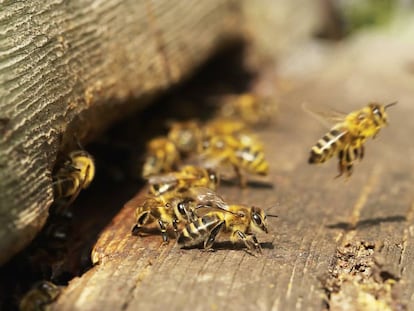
379,113
259,219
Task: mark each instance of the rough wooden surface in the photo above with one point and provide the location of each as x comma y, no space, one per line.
343,245
67,68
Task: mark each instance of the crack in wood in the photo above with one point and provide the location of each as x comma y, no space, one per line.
406,236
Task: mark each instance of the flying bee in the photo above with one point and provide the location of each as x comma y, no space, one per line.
186,136
237,221
242,151
37,298
75,174
174,208
162,156
346,139
188,176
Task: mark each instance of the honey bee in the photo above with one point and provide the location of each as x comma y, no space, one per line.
223,126
174,208
237,221
162,156
249,107
37,299
188,176
76,173
186,136
241,151
346,139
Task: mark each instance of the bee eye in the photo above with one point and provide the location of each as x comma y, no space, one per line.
257,219
181,208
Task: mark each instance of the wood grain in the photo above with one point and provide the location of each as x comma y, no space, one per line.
327,228
67,70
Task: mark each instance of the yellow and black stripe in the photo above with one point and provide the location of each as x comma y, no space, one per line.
198,231
327,146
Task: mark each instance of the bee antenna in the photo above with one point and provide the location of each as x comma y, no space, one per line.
390,105
271,215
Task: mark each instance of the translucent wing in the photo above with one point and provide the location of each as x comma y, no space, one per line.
168,178
206,197
62,206
327,117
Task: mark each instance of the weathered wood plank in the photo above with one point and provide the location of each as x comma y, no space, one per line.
347,245
67,68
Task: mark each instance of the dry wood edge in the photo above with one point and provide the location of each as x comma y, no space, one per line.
67,70
337,244
298,268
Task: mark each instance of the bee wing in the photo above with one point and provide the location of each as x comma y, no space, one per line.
61,208
216,163
208,198
327,117
170,179
167,178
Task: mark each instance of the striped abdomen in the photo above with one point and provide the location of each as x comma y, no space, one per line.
253,160
65,186
198,231
327,146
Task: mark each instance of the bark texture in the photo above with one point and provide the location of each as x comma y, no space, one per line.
66,70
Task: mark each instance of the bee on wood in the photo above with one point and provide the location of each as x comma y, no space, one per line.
249,107
223,126
75,174
162,156
156,211
187,177
236,221
173,208
346,139
242,151
37,298
187,136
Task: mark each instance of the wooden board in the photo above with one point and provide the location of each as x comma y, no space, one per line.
337,244
70,69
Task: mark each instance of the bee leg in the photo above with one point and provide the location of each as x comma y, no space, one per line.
349,169
208,243
361,152
250,241
240,177
141,221
164,233
135,229
350,157
175,226
341,166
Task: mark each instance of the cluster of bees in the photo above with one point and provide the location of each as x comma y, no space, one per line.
182,197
